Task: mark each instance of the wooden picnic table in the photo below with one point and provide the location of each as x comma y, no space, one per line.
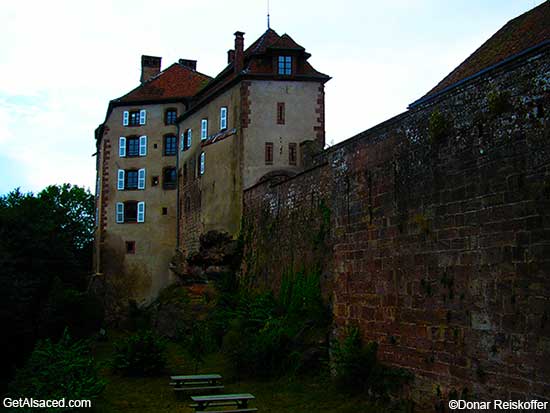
240,401
197,382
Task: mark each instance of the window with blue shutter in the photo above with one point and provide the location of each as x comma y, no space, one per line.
120,181
204,129
142,117
223,118
141,211
189,138
141,179
122,147
119,212
125,118
201,168
142,145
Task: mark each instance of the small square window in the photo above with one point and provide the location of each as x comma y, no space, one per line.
164,211
130,247
134,118
155,146
154,180
170,116
285,65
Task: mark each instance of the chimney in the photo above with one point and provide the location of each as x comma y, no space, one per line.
239,51
230,55
150,66
191,64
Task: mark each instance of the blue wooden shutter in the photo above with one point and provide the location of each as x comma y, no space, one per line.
202,163
204,129
142,117
119,212
143,145
122,146
223,118
120,181
141,179
141,211
125,118
189,138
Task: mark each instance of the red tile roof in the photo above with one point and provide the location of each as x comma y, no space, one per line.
253,65
176,81
528,30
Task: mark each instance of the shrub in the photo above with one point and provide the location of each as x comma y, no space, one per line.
358,370
58,370
141,354
268,333
438,127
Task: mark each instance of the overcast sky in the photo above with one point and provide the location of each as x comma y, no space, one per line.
62,61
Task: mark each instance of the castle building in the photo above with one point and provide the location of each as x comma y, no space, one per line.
137,147
175,154
254,120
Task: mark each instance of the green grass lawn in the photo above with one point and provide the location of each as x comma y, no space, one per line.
287,394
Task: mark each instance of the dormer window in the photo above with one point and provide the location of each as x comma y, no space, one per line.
285,65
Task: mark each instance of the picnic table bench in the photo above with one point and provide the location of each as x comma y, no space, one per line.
196,382
239,401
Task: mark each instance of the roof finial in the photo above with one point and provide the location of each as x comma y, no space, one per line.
268,15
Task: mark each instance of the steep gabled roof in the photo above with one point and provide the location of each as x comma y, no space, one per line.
176,81
253,65
525,32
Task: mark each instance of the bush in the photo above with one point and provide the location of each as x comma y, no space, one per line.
357,369
58,370
141,354
265,335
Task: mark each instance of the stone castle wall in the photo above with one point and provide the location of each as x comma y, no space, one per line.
432,232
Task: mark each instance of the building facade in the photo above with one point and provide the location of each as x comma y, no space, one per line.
245,125
175,155
137,147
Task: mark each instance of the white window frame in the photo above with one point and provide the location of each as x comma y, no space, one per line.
122,147
141,211
204,129
120,179
119,213
223,117
142,117
143,145
125,118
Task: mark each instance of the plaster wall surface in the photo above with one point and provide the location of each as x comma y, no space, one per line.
140,275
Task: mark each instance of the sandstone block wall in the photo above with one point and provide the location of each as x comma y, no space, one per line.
432,230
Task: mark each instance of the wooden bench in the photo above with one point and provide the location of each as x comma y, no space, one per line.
230,411
240,401
196,383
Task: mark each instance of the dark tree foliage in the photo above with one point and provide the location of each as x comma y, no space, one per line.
45,257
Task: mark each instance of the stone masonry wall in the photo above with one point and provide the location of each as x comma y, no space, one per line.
433,233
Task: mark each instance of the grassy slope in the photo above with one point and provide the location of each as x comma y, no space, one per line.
289,394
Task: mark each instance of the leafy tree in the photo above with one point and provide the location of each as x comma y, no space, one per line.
45,255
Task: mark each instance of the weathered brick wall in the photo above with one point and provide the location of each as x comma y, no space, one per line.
438,243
